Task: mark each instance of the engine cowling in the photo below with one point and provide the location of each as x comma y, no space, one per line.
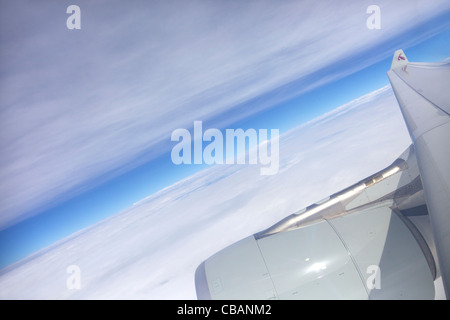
369,254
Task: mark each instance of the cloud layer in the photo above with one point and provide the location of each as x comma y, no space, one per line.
76,105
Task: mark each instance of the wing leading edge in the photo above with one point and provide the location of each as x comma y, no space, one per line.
423,94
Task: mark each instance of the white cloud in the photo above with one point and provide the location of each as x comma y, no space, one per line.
78,104
151,250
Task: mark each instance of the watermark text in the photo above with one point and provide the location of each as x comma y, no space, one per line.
228,149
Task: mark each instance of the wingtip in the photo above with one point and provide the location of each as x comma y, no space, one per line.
399,59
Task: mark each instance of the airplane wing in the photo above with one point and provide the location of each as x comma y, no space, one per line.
423,93
372,240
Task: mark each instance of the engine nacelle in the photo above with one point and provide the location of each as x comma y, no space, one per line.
357,244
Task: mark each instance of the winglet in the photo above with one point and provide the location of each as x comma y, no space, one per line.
399,59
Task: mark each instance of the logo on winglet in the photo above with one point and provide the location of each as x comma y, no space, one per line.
401,57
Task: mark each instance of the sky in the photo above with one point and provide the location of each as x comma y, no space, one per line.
86,115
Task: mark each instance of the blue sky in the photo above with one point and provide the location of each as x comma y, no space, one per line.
87,116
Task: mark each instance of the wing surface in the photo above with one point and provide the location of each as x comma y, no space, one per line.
423,94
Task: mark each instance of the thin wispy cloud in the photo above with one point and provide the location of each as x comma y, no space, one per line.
77,104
